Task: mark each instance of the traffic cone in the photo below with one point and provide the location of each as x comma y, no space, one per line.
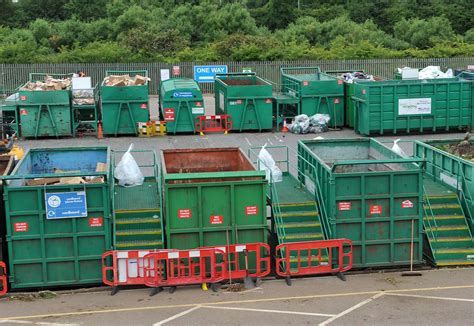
285,127
100,134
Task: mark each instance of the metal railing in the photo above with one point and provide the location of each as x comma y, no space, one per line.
272,192
156,174
466,196
291,167
432,225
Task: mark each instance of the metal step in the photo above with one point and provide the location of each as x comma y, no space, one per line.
137,223
295,237
454,231
156,244
464,254
452,242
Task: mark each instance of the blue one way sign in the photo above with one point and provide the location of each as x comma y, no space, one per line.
65,204
206,74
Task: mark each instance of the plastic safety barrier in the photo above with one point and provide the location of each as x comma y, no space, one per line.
184,267
125,267
256,254
313,257
213,123
3,278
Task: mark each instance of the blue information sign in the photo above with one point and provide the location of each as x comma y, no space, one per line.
182,94
66,204
206,74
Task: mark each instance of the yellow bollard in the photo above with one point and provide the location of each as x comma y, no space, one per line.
204,287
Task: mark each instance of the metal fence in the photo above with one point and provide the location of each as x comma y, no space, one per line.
14,75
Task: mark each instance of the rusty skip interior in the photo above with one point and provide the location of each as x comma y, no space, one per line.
207,160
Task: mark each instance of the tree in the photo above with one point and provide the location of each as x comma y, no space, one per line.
422,33
88,10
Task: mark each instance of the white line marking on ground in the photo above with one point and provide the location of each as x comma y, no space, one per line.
248,142
269,141
181,314
271,311
351,309
37,323
55,324
430,297
15,321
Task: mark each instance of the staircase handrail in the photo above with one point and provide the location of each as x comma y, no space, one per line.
273,195
430,218
112,196
460,188
158,178
320,205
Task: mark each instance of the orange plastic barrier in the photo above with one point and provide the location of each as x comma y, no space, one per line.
313,257
184,267
213,123
124,267
3,278
258,256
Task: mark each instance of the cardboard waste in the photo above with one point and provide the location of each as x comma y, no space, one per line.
125,80
83,97
49,84
100,167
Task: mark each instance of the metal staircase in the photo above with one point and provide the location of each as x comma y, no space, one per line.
137,211
295,214
450,239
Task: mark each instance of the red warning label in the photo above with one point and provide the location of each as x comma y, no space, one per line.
375,209
268,100
21,227
95,222
407,204
305,83
251,210
24,112
23,98
216,219
169,114
337,101
344,205
143,106
184,213
339,82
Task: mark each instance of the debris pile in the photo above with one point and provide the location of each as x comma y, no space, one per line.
83,97
100,167
49,84
463,149
303,124
357,75
125,80
430,72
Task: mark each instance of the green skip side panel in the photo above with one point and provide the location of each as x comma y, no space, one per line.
215,213
56,252
413,106
372,205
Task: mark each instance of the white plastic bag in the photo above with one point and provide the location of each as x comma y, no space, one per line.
267,163
127,171
397,149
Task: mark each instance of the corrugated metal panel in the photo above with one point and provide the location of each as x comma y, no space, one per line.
13,75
